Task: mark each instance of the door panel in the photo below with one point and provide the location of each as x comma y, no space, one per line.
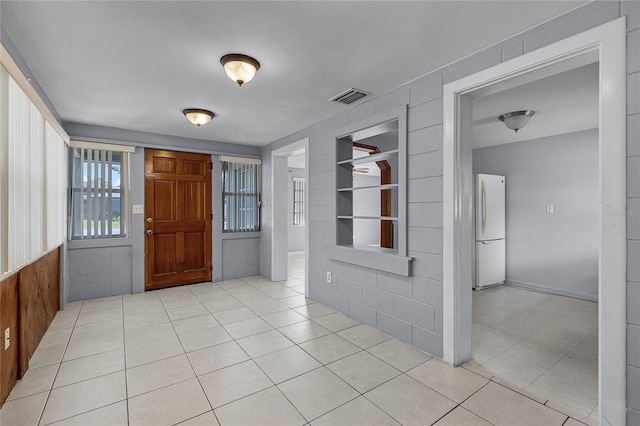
490,207
164,253
165,209
193,209
178,218
490,262
193,259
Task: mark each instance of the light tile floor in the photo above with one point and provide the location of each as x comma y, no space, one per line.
544,344
245,352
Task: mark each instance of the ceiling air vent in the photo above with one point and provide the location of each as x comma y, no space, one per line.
350,96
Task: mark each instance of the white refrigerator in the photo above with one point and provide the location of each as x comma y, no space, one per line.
489,230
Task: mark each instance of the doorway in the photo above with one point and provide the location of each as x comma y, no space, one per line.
607,43
177,218
281,186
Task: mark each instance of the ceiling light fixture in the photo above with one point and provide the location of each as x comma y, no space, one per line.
199,117
240,68
516,120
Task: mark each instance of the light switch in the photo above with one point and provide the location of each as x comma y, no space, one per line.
138,209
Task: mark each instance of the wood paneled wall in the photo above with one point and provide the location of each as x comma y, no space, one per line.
9,366
39,300
29,300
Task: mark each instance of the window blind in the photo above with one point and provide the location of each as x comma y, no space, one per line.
37,147
33,172
97,199
298,201
56,177
19,177
241,196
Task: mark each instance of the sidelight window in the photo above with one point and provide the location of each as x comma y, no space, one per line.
98,196
240,194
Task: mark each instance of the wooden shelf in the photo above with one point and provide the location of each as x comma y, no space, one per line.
359,188
387,155
369,217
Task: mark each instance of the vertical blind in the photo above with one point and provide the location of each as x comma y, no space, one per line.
240,196
32,193
298,201
96,195
19,194
56,188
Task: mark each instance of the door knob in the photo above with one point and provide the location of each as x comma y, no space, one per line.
149,232
149,220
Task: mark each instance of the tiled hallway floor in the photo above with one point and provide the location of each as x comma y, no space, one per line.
246,351
543,343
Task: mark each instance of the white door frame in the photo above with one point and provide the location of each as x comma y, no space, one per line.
609,41
279,213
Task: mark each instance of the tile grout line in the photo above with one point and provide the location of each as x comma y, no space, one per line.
124,356
44,407
250,358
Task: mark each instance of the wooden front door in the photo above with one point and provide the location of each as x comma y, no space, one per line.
177,218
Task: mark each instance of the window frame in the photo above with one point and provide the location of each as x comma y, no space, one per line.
299,195
103,152
255,196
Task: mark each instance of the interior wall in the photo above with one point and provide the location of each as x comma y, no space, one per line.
631,9
411,308
110,267
29,301
551,252
295,234
240,256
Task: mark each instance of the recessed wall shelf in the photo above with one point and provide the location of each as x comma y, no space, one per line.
379,187
369,217
371,208
387,155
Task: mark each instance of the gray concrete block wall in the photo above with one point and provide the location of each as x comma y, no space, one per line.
241,258
99,272
79,253
631,9
424,97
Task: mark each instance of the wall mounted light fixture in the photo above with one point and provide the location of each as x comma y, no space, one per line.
199,117
240,68
516,120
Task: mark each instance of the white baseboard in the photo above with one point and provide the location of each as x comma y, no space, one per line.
551,290
295,253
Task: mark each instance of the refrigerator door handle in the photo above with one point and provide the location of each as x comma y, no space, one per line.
484,207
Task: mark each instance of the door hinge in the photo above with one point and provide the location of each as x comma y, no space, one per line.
210,165
211,216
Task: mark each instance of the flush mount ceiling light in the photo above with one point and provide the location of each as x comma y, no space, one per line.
199,117
516,120
240,68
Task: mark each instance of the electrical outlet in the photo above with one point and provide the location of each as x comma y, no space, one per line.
549,209
328,277
7,338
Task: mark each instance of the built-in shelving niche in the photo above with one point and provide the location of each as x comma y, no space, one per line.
371,193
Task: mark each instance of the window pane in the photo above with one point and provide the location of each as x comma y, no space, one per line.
241,197
298,201
96,193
